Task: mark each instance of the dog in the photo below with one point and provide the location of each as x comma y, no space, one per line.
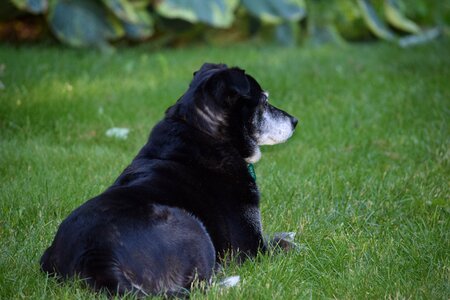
185,201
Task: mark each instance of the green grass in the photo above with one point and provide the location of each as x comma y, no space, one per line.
364,181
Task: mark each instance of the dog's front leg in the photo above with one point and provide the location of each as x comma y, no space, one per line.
282,241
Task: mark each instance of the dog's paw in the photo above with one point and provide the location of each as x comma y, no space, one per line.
284,241
287,236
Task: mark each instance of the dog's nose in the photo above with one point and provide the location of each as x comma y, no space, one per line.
294,122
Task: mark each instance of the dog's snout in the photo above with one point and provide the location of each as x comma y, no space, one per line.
294,122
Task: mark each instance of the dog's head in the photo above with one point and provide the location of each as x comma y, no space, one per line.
230,105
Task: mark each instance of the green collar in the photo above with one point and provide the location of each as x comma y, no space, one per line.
251,171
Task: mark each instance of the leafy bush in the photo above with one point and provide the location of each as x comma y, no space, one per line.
97,23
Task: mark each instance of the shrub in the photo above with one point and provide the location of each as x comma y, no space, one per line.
97,23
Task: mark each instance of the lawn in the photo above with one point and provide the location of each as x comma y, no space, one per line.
364,182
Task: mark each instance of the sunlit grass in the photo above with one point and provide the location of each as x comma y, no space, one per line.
364,182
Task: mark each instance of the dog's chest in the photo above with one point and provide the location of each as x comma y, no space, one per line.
236,222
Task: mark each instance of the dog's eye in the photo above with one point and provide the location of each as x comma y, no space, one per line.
264,100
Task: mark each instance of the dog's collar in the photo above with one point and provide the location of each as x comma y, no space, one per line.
251,171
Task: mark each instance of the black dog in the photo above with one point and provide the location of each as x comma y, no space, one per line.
185,200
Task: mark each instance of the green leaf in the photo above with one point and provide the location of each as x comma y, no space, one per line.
83,23
324,34
375,24
397,19
31,6
276,11
122,9
348,20
217,13
136,21
421,38
286,33
141,29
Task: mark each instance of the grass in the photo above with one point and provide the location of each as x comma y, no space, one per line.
364,182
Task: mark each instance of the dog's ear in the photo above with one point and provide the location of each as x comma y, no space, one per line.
237,82
230,83
209,66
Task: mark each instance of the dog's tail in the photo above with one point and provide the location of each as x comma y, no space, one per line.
101,272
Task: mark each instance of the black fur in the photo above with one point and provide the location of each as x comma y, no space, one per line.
180,205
